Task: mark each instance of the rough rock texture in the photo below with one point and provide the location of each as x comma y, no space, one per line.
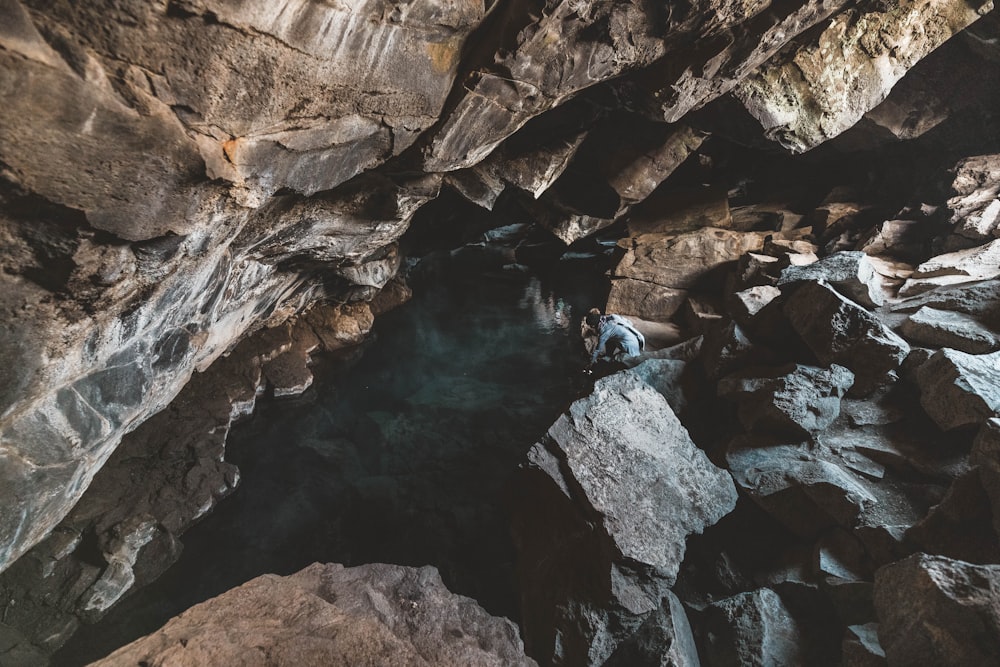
839,331
959,389
603,514
332,615
935,610
752,628
815,92
851,272
799,400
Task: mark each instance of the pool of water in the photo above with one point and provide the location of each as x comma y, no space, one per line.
399,456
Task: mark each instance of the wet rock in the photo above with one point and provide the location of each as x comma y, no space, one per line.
329,614
940,328
839,331
753,628
851,273
796,400
935,610
959,389
601,518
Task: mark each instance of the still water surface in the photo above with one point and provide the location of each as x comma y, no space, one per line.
401,456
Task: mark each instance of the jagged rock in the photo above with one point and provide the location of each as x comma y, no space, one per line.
850,272
839,331
644,299
619,454
790,98
665,376
614,429
960,526
725,348
748,302
329,614
680,261
663,640
980,300
975,209
804,492
753,628
861,647
959,389
935,610
961,266
682,212
797,400
986,457
940,328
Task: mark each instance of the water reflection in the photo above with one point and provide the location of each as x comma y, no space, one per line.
399,457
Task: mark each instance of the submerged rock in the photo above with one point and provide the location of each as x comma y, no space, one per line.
332,615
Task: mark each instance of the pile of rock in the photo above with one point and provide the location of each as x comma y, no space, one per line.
853,399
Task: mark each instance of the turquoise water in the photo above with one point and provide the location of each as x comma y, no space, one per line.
399,456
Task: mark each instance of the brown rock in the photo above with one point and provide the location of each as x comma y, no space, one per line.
332,615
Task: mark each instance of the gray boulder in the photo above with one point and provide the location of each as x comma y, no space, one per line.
938,611
861,647
851,273
753,628
793,399
940,328
332,615
839,331
959,389
602,513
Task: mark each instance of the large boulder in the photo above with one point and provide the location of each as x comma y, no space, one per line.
602,514
938,611
959,389
795,399
753,628
839,331
332,615
852,273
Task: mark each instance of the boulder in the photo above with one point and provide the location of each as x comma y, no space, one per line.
601,516
790,97
805,492
638,469
332,615
748,302
979,300
959,389
931,327
861,647
985,457
962,266
797,400
753,628
851,273
839,331
938,611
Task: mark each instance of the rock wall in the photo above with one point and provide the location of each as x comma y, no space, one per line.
175,175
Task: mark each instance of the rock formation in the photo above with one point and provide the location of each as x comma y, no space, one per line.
332,615
178,176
